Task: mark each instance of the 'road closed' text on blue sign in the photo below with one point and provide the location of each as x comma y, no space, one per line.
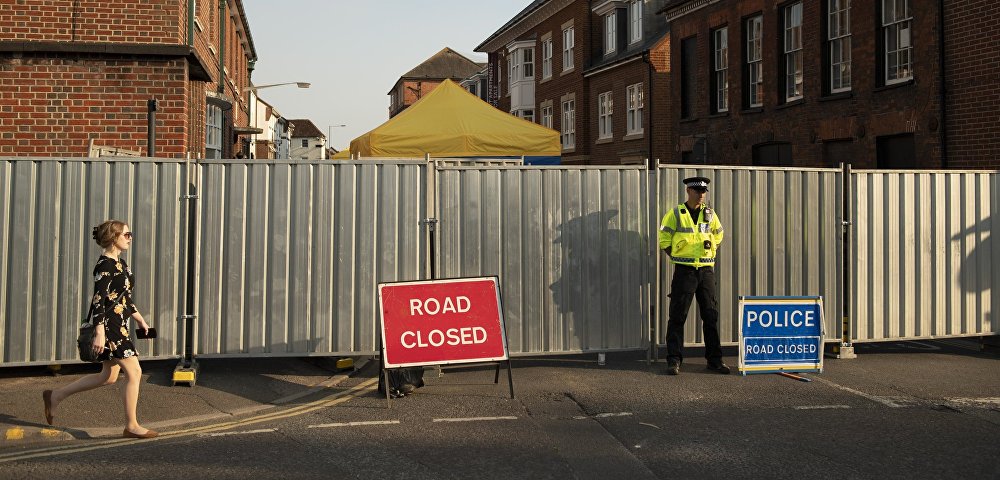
781,334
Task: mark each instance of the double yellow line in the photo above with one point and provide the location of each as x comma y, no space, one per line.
330,401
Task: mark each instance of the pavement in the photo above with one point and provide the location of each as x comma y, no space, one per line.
225,389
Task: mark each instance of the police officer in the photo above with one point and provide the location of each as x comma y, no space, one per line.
690,234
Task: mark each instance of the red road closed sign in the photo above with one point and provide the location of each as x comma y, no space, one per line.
439,322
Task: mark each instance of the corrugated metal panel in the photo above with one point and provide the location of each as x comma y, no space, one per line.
568,244
292,252
48,253
783,237
926,261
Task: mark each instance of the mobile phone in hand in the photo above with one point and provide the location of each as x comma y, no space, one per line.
151,333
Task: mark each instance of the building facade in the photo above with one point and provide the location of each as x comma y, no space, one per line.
818,83
421,80
596,71
78,74
308,141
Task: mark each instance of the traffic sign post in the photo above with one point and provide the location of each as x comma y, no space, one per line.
781,334
443,322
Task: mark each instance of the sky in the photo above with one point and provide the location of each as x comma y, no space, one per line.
352,52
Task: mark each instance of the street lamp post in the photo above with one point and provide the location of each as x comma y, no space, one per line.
329,135
252,103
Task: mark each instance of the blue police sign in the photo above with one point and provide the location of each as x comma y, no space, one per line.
781,334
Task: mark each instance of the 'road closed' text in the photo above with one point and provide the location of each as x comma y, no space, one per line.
437,338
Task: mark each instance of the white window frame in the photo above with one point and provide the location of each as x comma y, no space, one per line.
512,70
899,27
839,44
569,41
792,34
610,33
213,132
568,126
547,58
720,68
527,63
635,101
755,77
605,107
635,21
547,116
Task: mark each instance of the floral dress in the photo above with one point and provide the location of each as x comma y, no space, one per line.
112,306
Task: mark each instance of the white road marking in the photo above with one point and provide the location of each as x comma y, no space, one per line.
875,398
604,415
822,407
356,424
473,419
248,432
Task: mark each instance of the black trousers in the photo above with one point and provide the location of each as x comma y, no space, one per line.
688,283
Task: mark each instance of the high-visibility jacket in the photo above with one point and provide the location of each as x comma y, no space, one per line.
685,241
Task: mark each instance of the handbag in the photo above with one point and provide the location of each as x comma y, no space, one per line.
85,341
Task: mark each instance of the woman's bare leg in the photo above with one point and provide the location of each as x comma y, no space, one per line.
130,395
107,376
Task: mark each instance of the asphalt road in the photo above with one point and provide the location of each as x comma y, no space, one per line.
901,410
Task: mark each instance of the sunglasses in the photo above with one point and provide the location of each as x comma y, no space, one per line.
127,235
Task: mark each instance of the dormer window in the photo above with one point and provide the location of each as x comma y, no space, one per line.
634,21
610,33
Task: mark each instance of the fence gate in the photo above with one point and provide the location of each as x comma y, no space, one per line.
570,245
291,252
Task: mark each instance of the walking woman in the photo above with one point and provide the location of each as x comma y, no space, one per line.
111,307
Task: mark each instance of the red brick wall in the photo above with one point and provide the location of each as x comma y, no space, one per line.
52,106
972,50
867,112
617,149
561,83
116,21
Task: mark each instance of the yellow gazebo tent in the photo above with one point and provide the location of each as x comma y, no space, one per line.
451,122
344,154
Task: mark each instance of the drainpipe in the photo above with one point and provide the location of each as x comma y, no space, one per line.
222,46
191,23
649,62
943,89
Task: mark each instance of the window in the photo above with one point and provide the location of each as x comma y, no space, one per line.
720,70
213,132
839,44
793,51
528,115
755,72
547,116
896,20
634,117
604,109
568,43
528,58
610,33
512,71
895,151
568,124
772,154
547,58
635,21
305,143
689,75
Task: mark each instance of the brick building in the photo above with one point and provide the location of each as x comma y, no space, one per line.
78,74
421,80
816,83
596,71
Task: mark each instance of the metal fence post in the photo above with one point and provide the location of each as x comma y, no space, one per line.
846,349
